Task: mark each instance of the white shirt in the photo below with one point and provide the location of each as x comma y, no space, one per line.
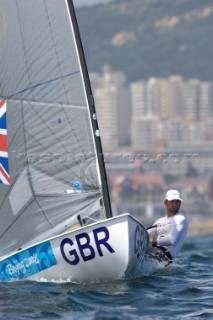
170,232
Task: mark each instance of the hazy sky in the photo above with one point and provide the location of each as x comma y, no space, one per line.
88,2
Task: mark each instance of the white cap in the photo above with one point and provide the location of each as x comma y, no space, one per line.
173,195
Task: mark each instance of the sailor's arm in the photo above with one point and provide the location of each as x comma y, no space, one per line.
173,235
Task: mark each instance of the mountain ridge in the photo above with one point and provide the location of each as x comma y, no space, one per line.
145,38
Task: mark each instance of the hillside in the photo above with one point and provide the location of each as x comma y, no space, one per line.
147,38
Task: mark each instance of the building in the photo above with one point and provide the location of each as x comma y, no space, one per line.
111,96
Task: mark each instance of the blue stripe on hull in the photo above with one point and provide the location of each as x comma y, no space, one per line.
26,263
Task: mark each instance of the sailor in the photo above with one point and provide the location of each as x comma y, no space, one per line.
168,233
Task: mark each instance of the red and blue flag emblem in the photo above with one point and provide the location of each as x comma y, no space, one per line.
4,165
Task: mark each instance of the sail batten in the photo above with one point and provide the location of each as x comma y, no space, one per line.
54,167
46,82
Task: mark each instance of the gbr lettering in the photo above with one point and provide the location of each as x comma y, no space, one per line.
72,252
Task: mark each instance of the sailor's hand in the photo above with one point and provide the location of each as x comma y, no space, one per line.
153,240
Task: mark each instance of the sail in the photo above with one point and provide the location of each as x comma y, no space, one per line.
49,170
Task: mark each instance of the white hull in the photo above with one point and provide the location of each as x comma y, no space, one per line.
106,250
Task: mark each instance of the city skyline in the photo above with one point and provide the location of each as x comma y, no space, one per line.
165,100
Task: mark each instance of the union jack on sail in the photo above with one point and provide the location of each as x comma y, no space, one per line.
4,165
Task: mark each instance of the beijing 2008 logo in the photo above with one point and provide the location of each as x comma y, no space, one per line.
140,244
3,22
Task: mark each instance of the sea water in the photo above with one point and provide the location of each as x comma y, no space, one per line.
183,291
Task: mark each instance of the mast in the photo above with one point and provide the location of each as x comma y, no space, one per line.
92,112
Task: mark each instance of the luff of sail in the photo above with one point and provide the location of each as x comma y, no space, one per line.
52,158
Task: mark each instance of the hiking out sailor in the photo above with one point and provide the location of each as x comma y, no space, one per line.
167,235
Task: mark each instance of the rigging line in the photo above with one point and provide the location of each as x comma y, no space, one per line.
41,84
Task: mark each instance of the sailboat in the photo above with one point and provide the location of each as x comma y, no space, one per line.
56,221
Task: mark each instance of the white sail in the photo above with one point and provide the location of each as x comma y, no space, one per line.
51,153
